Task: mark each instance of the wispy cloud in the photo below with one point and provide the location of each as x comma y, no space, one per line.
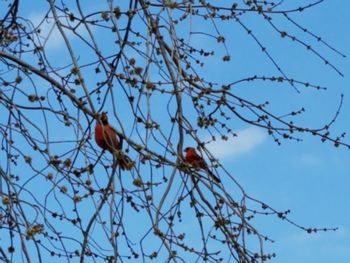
330,239
49,33
245,142
311,160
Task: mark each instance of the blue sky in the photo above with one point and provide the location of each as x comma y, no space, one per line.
310,178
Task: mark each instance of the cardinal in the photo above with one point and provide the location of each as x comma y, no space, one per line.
107,138
198,162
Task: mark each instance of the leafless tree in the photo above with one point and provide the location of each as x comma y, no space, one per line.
147,64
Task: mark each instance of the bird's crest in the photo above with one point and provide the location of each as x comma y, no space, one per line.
103,117
188,149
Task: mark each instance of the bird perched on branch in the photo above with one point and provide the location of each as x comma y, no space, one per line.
107,138
198,162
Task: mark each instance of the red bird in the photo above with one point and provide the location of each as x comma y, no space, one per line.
107,138
198,162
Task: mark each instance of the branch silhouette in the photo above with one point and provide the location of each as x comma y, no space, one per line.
150,65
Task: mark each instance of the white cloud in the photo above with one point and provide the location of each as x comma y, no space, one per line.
311,160
49,32
321,238
245,142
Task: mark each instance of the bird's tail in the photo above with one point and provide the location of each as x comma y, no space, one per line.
123,160
214,177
